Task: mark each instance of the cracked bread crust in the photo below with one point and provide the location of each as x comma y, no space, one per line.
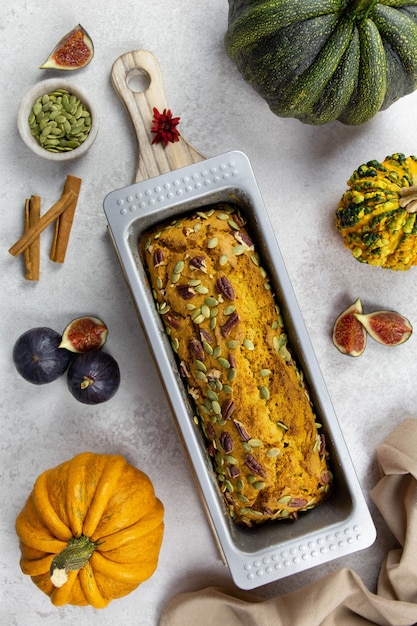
250,399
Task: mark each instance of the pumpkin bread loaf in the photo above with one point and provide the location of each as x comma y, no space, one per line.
250,399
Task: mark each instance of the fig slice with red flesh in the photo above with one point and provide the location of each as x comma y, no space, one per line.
84,334
349,335
387,327
74,51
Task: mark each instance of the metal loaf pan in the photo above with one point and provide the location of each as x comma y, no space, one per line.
340,526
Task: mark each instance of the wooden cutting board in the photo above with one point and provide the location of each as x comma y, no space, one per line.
130,69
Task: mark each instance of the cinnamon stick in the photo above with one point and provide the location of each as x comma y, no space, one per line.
34,231
63,224
32,252
26,254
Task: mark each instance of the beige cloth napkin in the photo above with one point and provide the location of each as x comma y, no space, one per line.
341,598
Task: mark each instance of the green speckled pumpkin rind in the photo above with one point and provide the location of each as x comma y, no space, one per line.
325,60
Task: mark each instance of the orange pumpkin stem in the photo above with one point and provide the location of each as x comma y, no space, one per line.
73,557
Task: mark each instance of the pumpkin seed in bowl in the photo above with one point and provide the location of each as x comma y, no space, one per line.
57,120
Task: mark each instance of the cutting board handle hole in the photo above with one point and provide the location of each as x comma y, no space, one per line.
138,80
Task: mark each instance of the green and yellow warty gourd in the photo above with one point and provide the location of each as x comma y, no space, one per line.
377,214
325,60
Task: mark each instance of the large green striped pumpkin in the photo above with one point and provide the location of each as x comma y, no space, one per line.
325,60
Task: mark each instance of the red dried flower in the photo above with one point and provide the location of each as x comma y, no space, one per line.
164,127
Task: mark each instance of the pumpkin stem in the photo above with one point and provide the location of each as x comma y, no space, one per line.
73,557
408,198
360,9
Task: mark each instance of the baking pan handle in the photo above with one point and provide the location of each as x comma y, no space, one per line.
153,159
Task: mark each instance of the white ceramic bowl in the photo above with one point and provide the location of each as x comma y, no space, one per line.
48,86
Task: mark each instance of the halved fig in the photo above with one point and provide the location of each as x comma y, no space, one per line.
74,51
84,334
387,327
349,335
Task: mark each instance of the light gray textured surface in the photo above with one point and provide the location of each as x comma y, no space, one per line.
301,171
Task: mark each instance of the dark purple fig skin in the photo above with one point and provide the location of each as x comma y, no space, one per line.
102,372
37,357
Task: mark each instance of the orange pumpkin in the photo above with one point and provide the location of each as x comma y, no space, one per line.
91,530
